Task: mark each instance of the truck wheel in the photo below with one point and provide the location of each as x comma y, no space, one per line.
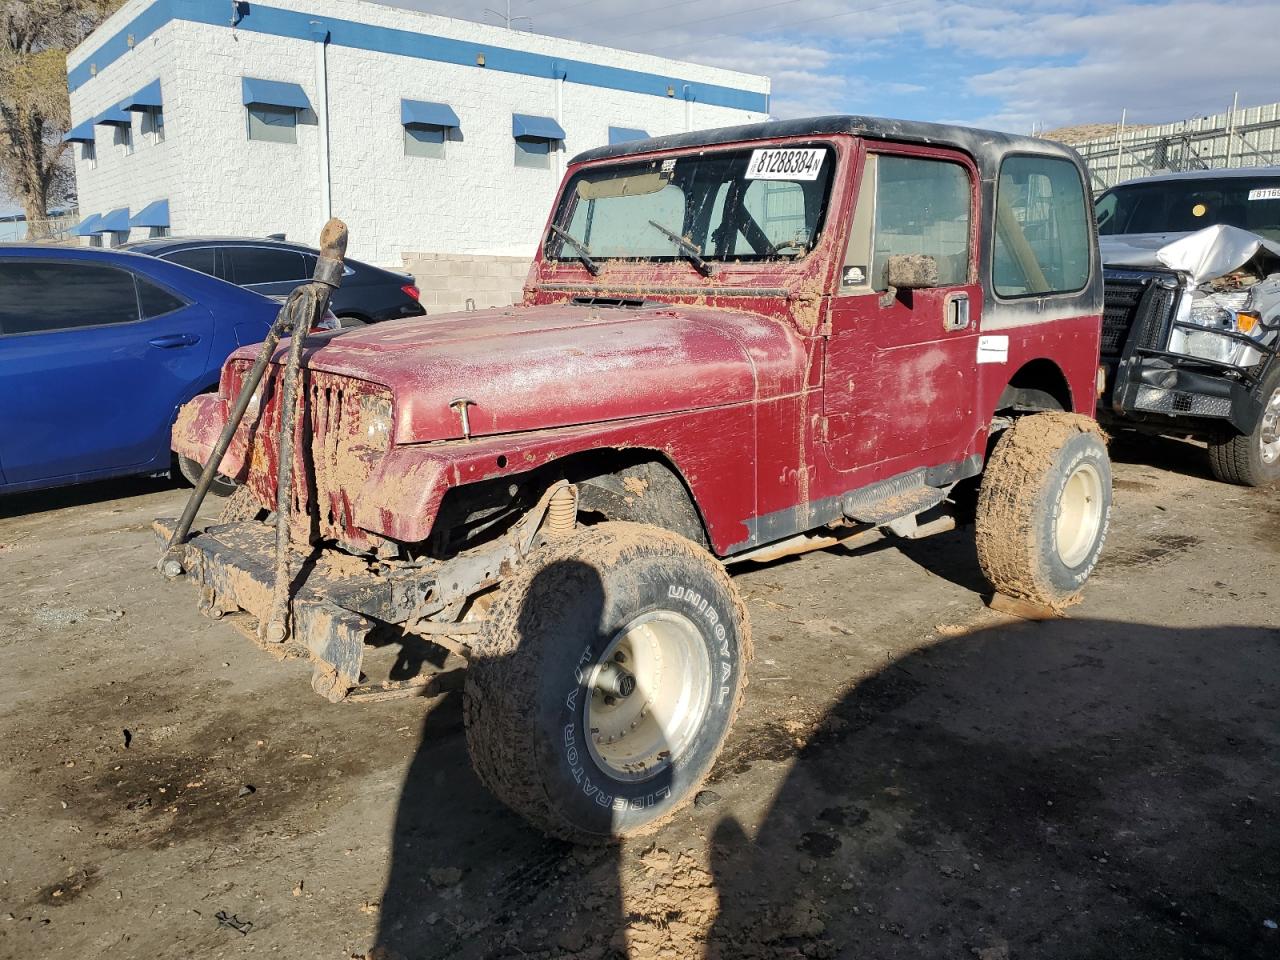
191,471
1252,460
605,680
1044,507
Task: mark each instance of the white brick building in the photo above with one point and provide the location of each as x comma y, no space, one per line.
404,124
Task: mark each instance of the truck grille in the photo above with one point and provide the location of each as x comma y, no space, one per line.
1137,305
332,459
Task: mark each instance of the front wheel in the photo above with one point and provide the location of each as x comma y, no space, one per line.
1252,460
191,471
609,671
1044,507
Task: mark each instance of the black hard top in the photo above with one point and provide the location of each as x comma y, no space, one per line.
985,146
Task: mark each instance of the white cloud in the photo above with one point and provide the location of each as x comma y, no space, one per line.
1007,65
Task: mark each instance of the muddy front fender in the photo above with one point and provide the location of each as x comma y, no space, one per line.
402,496
195,432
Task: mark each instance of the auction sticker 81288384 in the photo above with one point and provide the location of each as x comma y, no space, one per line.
795,164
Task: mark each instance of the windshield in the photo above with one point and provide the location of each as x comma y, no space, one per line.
741,205
1182,206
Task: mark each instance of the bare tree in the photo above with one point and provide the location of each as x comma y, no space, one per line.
35,36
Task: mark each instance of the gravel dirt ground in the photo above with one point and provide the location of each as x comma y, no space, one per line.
913,775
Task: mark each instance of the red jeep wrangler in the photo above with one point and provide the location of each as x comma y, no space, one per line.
734,344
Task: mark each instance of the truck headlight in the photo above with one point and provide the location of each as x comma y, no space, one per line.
1210,344
375,422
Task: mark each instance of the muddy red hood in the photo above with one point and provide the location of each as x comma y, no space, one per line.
529,368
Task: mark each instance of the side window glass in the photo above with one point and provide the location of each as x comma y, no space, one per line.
203,259
1105,211
156,301
250,265
36,296
922,207
1042,228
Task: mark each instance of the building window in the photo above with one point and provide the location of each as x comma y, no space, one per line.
89,154
153,124
425,142
533,152
124,139
157,232
273,124
95,240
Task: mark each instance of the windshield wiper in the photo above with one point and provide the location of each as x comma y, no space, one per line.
689,249
579,248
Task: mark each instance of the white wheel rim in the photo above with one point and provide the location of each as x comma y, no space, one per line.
1079,515
1269,434
638,735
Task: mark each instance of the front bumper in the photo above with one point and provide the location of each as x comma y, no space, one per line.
1173,394
337,599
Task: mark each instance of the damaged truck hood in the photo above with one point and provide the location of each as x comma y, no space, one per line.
1202,255
531,368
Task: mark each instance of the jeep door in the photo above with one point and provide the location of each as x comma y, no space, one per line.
900,367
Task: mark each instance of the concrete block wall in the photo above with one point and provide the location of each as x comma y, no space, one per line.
454,282
473,202
148,174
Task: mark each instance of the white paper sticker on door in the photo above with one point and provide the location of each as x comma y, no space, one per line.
993,349
1265,193
801,164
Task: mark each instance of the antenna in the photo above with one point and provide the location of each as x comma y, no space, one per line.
507,18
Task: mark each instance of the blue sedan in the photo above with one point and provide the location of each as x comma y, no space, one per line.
98,350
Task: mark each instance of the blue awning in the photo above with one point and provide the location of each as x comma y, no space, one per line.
538,128
115,115
423,113
80,133
117,221
154,214
625,134
89,225
273,93
145,99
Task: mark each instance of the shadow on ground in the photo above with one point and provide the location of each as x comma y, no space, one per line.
1187,457
59,498
1079,788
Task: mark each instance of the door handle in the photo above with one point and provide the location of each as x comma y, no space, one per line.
955,312
171,340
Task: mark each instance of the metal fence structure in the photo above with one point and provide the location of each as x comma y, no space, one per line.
1245,137
14,229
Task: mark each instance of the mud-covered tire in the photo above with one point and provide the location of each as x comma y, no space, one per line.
1044,508
534,685
191,471
1253,459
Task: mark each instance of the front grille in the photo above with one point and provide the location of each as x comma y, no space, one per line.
341,460
1136,305
332,459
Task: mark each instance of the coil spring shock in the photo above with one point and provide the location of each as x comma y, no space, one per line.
562,511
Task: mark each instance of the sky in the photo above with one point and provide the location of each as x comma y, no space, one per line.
1009,66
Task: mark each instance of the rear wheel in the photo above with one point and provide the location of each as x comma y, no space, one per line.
192,469
1252,460
607,677
1044,508
346,320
